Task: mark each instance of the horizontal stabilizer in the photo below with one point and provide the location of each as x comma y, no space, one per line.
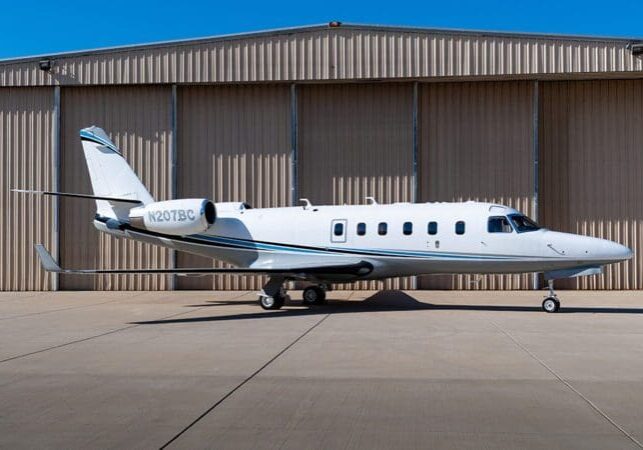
359,269
68,194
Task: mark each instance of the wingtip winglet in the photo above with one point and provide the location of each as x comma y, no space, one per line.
46,260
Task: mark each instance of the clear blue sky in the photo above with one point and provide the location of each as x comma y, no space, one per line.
48,26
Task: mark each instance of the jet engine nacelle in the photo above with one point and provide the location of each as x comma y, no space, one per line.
175,217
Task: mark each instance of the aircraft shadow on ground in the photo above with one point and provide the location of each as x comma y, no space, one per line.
381,302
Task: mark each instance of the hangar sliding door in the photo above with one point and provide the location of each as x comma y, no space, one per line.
138,120
591,147
26,161
234,144
354,141
476,142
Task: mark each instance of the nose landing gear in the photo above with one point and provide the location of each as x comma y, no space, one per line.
551,304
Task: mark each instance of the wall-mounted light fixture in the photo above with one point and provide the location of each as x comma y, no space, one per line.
45,64
635,47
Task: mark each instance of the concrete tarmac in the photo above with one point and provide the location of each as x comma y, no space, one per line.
416,369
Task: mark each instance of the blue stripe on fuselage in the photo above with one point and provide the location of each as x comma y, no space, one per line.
255,245
245,244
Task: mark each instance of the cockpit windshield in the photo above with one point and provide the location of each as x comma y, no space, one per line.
522,223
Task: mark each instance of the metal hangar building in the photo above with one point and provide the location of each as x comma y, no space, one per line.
551,125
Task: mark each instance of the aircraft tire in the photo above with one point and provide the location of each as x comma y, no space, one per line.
551,305
314,295
270,303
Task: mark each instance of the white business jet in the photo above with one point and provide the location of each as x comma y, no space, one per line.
328,244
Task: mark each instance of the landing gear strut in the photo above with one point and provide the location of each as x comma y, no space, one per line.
314,295
273,295
551,304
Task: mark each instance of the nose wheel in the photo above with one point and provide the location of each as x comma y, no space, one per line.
551,304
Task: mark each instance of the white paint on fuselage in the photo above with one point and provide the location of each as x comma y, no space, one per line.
268,235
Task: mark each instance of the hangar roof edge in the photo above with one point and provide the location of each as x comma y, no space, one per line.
317,27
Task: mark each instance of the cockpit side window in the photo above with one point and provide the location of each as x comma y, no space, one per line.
523,224
499,224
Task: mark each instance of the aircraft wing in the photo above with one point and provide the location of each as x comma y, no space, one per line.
354,268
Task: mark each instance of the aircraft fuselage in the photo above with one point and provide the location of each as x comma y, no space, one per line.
397,239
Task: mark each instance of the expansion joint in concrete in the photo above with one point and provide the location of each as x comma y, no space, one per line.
593,405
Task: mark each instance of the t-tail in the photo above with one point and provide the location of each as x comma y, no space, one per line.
111,176
122,201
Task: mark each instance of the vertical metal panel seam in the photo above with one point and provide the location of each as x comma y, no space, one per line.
536,157
173,178
293,145
415,189
414,194
56,181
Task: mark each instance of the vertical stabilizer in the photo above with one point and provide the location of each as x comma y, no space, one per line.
110,174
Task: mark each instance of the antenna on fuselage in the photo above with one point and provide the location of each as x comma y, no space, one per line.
371,201
307,203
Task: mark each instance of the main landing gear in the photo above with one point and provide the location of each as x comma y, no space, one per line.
273,295
551,304
314,295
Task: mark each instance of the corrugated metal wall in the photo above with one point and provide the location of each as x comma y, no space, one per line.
234,144
138,120
591,182
476,143
26,154
322,53
355,141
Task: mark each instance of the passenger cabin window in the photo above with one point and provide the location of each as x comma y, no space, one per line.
382,228
432,228
339,229
459,227
361,229
407,228
499,224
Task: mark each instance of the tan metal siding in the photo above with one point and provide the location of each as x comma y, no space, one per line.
356,141
332,54
591,143
138,121
26,162
233,145
476,143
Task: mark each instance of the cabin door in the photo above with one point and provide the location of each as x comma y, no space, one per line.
338,230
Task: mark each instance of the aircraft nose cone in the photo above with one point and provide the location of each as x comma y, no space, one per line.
611,251
616,251
582,247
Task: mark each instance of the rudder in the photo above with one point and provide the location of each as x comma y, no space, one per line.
110,174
